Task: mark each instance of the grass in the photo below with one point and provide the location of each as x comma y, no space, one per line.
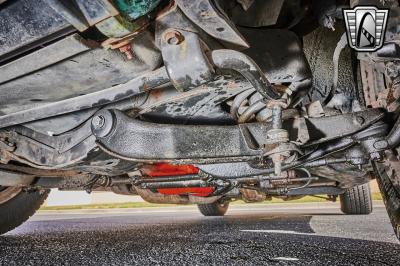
375,196
106,206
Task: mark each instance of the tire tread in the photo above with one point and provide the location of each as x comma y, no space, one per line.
213,209
357,200
19,209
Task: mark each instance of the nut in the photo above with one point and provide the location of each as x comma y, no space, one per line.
173,37
277,103
98,121
375,156
127,50
360,120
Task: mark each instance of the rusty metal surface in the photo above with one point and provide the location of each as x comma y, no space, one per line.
199,106
135,86
180,49
62,142
227,59
61,50
279,54
251,195
87,72
25,22
59,125
376,94
49,151
231,170
83,156
207,17
40,172
14,179
258,13
154,197
321,128
70,13
96,10
41,156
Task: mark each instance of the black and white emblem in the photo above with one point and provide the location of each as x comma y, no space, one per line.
365,27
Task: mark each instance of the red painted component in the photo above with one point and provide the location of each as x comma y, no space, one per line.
195,191
166,169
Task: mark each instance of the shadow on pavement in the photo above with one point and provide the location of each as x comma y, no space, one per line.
275,239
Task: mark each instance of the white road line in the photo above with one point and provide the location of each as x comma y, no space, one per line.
285,259
287,232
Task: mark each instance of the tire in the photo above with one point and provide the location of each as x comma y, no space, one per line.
19,208
357,200
388,180
213,209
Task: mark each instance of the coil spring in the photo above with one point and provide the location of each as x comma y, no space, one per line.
248,105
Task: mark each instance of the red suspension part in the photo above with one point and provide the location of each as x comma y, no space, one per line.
166,169
195,191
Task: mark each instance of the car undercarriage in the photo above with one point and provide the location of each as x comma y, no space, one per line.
196,102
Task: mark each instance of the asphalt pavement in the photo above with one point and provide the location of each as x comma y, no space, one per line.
257,234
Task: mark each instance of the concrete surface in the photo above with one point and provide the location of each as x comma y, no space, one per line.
275,234
65,198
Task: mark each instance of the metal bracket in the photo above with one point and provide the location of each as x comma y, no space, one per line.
133,87
204,14
6,146
185,60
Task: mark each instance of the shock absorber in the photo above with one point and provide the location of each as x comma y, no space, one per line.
277,137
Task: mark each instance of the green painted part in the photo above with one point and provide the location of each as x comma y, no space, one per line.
133,9
116,27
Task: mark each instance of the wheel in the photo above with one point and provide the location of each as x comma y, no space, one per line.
213,209
357,200
16,206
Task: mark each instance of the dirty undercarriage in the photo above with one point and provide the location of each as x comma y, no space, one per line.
193,101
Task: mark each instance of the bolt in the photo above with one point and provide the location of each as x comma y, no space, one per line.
360,120
375,156
173,37
203,176
127,50
98,121
220,182
277,160
392,69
